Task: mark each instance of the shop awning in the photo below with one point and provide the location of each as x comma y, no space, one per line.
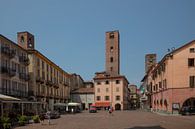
102,104
8,98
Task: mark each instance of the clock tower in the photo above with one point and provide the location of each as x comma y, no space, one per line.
26,40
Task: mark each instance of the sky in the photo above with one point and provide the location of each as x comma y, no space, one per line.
71,33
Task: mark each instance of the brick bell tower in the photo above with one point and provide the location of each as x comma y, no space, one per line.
113,53
26,40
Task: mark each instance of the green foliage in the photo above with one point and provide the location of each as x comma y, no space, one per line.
22,120
35,119
6,122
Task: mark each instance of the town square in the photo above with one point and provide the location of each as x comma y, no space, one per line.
97,64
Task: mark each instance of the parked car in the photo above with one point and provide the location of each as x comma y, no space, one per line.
187,110
53,115
92,109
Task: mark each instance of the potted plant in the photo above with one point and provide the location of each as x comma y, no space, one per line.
22,120
35,119
6,122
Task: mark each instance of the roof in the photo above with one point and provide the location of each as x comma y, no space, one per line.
84,91
110,77
13,43
171,54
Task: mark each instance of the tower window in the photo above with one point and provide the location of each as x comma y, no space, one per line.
111,68
111,59
111,49
22,39
111,35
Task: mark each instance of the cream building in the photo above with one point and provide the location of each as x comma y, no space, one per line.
111,88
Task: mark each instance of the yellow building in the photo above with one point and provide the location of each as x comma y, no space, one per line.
14,75
48,82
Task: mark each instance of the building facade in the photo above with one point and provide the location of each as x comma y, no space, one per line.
150,61
84,95
134,97
171,83
14,75
113,52
48,83
111,91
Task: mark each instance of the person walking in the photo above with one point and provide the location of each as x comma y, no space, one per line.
42,117
110,110
48,114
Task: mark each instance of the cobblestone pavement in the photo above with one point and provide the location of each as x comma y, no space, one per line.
119,120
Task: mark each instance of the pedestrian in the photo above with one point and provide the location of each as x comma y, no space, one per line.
110,110
42,117
48,114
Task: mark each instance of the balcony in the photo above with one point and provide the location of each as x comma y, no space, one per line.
8,52
56,85
15,93
24,76
40,80
30,93
8,71
49,83
4,70
25,60
40,94
12,72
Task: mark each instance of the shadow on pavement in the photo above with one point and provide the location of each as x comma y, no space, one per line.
142,127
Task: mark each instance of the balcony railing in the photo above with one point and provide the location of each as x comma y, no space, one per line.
39,80
9,71
16,93
8,52
56,85
25,60
24,76
49,83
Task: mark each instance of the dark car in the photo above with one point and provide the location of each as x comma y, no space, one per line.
92,109
52,114
187,110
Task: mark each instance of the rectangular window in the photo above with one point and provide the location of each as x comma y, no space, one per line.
117,81
117,89
107,82
192,50
107,89
156,87
98,90
165,85
160,85
38,62
192,81
107,98
111,59
98,83
191,62
118,98
98,98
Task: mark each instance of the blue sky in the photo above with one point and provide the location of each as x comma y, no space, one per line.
72,32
